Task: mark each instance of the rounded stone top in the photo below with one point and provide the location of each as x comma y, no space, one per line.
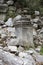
21,21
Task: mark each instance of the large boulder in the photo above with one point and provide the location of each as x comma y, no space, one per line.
10,59
27,59
39,59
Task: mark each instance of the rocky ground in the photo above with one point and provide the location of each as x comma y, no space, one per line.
13,54
13,50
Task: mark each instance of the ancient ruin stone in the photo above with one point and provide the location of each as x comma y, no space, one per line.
24,32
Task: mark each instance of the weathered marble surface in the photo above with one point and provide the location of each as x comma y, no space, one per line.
7,58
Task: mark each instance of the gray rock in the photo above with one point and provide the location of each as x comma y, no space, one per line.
38,49
0,27
35,26
3,31
23,54
34,32
29,60
30,52
9,22
39,58
24,36
1,22
3,8
35,20
10,59
34,52
10,2
11,41
1,1
12,48
17,18
37,13
3,36
40,35
1,47
1,63
6,49
4,26
28,16
20,49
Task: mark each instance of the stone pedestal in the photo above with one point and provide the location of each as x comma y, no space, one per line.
24,33
25,36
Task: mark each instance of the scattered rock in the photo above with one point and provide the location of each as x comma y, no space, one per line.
12,48
20,49
4,26
6,49
18,36
10,2
1,47
37,13
30,52
3,36
23,54
1,22
35,26
35,20
38,49
34,32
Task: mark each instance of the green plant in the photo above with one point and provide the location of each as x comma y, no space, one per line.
41,10
41,51
41,3
10,13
